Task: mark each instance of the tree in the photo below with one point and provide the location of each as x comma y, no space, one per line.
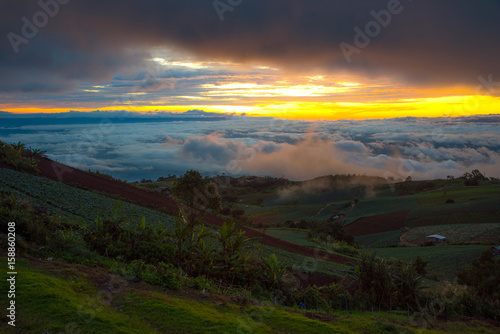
473,178
476,174
197,192
483,275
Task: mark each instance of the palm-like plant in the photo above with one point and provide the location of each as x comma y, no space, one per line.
274,271
407,282
373,277
235,249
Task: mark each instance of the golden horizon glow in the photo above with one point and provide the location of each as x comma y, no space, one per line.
257,90
446,106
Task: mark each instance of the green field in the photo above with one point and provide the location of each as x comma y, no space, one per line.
364,208
73,202
383,239
277,215
450,214
381,205
444,260
295,236
460,194
454,232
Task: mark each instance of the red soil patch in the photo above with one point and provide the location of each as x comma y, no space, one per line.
83,180
377,224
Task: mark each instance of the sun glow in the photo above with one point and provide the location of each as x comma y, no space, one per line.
447,106
264,91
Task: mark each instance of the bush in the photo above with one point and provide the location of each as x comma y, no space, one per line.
420,265
336,294
13,156
162,274
341,247
331,231
31,226
449,301
116,237
483,275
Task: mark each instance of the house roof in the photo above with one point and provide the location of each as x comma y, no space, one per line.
436,236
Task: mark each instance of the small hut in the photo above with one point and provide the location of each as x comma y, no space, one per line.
496,250
435,238
164,190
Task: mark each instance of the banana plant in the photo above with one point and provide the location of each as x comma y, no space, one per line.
187,235
274,271
235,250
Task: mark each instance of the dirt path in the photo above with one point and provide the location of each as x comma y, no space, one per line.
403,241
83,180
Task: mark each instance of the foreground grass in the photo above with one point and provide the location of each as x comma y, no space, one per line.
63,298
68,304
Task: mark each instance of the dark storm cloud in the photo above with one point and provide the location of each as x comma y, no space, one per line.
426,42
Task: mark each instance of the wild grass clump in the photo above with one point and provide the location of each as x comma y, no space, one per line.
31,224
162,274
19,157
118,237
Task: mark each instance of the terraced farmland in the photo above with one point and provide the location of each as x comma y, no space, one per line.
444,261
72,202
454,232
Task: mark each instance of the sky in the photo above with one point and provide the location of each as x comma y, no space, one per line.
318,59
375,79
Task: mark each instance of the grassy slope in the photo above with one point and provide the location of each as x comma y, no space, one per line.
381,205
459,194
383,239
444,260
298,237
473,207
58,297
454,232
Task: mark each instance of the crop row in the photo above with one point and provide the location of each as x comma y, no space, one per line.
85,204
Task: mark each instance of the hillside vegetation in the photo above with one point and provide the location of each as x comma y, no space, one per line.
88,262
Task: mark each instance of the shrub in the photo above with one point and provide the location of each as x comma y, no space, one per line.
483,275
13,156
162,274
331,231
341,247
420,265
335,294
169,275
116,236
31,226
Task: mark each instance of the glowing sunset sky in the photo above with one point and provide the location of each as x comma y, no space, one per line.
291,59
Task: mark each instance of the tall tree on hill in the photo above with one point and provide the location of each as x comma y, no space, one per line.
196,194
